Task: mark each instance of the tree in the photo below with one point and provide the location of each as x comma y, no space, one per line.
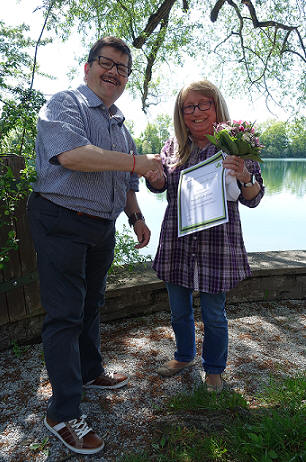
275,140
260,42
152,139
283,139
297,138
163,123
19,105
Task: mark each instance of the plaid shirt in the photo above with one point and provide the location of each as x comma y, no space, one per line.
216,258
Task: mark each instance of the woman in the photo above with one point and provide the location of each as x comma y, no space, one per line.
212,261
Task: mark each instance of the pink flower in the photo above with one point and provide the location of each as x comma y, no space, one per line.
241,128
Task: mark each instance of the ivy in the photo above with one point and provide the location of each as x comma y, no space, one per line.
19,104
12,191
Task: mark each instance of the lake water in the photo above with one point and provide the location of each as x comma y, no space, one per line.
277,223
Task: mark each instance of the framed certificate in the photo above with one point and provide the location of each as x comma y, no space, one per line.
201,196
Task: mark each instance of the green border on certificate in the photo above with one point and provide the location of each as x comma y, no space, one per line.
217,215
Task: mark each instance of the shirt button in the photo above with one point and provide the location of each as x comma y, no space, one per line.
193,255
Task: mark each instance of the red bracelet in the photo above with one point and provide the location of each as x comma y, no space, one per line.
134,162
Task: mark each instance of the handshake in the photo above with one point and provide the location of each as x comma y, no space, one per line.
150,166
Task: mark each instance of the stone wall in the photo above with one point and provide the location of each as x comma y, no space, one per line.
275,276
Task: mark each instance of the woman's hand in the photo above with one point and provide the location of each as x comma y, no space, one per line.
156,178
237,168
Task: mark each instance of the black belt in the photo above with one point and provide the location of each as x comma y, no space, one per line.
80,214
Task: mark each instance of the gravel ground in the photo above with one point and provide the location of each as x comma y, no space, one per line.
264,338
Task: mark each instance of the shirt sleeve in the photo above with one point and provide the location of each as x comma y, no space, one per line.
134,180
253,167
60,126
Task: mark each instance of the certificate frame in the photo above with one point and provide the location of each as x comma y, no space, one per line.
222,215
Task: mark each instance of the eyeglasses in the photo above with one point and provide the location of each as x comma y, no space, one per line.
203,106
108,63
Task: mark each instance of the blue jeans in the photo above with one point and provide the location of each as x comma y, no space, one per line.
215,340
74,254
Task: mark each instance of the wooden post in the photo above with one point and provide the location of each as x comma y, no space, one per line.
19,287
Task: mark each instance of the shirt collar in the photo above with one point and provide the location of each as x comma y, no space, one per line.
92,100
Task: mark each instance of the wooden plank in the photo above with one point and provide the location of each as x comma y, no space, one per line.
12,270
27,256
4,317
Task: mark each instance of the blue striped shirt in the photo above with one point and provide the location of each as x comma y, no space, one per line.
72,119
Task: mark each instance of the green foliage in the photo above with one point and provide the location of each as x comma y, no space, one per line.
274,431
18,350
127,20
125,253
40,446
20,103
19,107
12,190
289,393
284,139
200,399
264,60
152,139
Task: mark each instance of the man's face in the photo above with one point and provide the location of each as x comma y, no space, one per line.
107,84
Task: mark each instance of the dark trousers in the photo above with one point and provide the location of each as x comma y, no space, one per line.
74,254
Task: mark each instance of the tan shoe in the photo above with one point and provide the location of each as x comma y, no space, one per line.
76,435
173,367
217,388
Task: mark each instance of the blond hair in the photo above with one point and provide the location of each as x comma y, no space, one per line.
206,88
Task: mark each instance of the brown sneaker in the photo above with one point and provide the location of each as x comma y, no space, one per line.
76,435
108,381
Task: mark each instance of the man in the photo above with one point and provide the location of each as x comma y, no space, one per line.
85,179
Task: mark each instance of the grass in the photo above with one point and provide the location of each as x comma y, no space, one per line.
272,431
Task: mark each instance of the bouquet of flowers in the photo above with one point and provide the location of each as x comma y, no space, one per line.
238,138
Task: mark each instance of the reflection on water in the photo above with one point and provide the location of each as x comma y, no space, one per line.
284,175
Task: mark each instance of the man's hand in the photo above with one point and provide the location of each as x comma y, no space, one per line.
146,162
143,234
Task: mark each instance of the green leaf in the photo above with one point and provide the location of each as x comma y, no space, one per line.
212,139
227,141
272,454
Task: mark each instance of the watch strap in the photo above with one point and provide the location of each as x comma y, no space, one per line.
250,183
135,217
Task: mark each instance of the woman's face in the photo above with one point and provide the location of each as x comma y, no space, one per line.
199,122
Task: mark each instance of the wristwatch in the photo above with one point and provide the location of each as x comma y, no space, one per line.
250,183
135,217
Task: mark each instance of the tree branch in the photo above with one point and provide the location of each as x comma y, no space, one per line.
34,67
38,42
257,23
216,9
162,14
151,60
